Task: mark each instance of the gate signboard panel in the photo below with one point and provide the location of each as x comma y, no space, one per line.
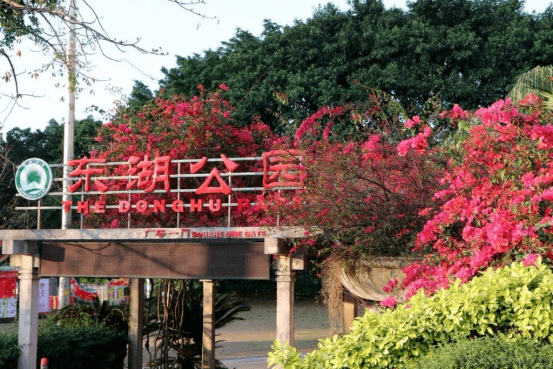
224,259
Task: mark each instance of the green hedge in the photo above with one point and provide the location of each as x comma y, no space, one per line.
95,347
9,351
71,347
487,353
514,302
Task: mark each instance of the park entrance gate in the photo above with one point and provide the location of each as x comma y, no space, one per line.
206,254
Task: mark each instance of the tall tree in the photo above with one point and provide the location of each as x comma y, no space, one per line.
469,51
22,144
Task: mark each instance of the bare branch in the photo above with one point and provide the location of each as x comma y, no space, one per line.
48,29
186,6
13,71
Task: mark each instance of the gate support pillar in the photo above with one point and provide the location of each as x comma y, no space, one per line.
136,307
208,339
28,313
285,278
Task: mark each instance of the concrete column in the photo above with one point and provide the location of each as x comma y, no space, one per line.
350,311
208,340
28,313
285,278
136,303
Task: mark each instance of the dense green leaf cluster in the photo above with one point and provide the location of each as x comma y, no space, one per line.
9,351
76,347
469,51
488,353
23,144
512,303
16,22
97,312
82,347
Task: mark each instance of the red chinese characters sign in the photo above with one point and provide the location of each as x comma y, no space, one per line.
282,169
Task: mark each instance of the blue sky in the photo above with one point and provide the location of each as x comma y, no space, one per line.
158,24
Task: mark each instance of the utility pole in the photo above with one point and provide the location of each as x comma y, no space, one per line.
64,294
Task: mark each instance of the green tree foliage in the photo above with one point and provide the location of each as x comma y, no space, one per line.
23,144
469,51
140,95
16,23
71,343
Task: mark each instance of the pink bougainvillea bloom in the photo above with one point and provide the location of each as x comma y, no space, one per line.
411,123
389,287
427,132
457,112
425,211
530,259
464,274
389,302
403,147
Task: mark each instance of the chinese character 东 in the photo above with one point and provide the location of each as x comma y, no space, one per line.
84,170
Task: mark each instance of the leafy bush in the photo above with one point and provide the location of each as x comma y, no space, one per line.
94,347
87,314
487,353
513,302
9,351
71,345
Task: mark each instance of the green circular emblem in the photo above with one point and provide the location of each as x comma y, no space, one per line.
33,179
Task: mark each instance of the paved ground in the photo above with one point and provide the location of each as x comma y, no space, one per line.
244,344
254,335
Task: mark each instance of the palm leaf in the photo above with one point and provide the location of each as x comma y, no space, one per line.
538,81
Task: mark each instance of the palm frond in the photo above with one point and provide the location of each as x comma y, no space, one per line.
538,81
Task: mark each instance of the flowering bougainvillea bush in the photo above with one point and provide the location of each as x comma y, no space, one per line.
363,194
512,303
182,128
498,195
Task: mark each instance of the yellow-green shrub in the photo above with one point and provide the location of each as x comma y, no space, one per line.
511,302
487,353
